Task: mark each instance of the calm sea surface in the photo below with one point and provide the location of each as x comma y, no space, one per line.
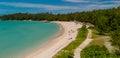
20,37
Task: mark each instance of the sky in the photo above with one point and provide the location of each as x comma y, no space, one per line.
54,6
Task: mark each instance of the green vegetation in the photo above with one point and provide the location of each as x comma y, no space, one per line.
96,48
68,51
96,51
116,40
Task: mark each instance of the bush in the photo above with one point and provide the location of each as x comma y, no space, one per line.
96,51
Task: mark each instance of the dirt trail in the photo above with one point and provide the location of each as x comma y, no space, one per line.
83,45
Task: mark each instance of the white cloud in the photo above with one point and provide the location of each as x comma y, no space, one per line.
102,6
43,6
76,1
93,1
115,2
58,8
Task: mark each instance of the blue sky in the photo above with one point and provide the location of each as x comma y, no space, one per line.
54,6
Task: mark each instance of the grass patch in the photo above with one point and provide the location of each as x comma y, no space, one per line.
98,39
68,51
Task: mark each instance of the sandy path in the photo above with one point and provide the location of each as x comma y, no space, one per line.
83,45
55,45
108,46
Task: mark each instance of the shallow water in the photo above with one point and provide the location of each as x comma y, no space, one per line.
20,37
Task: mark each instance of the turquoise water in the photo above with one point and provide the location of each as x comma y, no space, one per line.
18,38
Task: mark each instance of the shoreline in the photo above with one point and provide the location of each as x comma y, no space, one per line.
58,42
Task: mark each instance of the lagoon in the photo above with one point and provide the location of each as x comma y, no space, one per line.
21,37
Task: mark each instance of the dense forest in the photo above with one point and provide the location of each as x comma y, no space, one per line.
106,21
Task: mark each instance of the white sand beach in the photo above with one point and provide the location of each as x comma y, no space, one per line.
68,33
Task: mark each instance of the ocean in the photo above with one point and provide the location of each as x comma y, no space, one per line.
21,37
